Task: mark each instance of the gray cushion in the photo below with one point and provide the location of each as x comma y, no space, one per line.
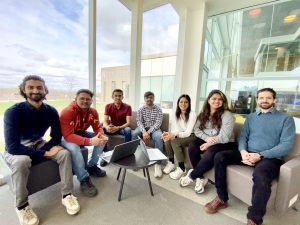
43,174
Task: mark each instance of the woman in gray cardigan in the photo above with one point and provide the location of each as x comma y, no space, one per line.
214,132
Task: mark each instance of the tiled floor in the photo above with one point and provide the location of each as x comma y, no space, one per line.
237,209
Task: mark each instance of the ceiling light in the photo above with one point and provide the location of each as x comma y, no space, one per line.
255,12
289,18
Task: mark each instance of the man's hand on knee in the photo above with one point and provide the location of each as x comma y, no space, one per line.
53,151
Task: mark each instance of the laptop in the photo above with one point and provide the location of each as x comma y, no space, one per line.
121,151
153,154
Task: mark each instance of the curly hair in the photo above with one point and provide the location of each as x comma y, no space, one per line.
188,110
216,118
31,77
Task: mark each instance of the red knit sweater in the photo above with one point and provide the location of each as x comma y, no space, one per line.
74,122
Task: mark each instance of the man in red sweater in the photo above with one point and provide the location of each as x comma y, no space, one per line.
75,120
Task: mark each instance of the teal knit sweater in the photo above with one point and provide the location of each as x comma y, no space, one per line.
271,134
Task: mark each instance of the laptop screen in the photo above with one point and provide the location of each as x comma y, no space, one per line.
124,150
143,147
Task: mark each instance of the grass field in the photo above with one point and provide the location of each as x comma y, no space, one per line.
4,106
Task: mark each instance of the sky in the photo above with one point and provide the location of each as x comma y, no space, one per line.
50,38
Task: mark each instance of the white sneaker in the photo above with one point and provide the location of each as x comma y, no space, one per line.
176,174
27,216
157,170
169,168
200,184
186,180
71,204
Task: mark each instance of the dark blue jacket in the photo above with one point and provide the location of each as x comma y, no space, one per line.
23,124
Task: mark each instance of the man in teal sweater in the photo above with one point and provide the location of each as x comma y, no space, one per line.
266,137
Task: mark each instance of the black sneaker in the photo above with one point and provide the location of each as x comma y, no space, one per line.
103,163
88,188
96,171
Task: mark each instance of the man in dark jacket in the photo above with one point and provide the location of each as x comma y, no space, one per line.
25,125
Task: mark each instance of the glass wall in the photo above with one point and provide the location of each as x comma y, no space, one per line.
255,48
47,38
158,75
113,27
159,51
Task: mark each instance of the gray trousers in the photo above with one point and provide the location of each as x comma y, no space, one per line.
20,167
176,146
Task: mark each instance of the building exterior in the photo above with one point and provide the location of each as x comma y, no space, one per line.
157,75
112,78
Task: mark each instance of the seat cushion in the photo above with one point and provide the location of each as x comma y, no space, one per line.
43,174
239,183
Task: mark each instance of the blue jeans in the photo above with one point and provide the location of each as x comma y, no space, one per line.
265,171
78,163
126,132
155,135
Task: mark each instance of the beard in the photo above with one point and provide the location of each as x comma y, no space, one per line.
36,97
265,105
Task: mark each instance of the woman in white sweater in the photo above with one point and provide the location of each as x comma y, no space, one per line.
180,137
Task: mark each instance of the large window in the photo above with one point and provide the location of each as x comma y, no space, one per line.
157,75
48,38
159,51
254,48
113,50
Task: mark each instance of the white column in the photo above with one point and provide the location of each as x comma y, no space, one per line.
136,52
191,41
92,47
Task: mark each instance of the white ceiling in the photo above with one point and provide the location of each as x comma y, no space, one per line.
220,6
214,6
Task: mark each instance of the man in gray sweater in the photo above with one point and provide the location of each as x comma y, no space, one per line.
266,137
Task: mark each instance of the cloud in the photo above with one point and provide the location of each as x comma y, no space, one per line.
28,53
50,37
160,30
39,38
7,69
113,26
69,8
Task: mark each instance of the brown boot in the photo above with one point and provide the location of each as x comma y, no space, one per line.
214,205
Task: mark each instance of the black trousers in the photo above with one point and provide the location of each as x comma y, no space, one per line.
204,163
265,171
